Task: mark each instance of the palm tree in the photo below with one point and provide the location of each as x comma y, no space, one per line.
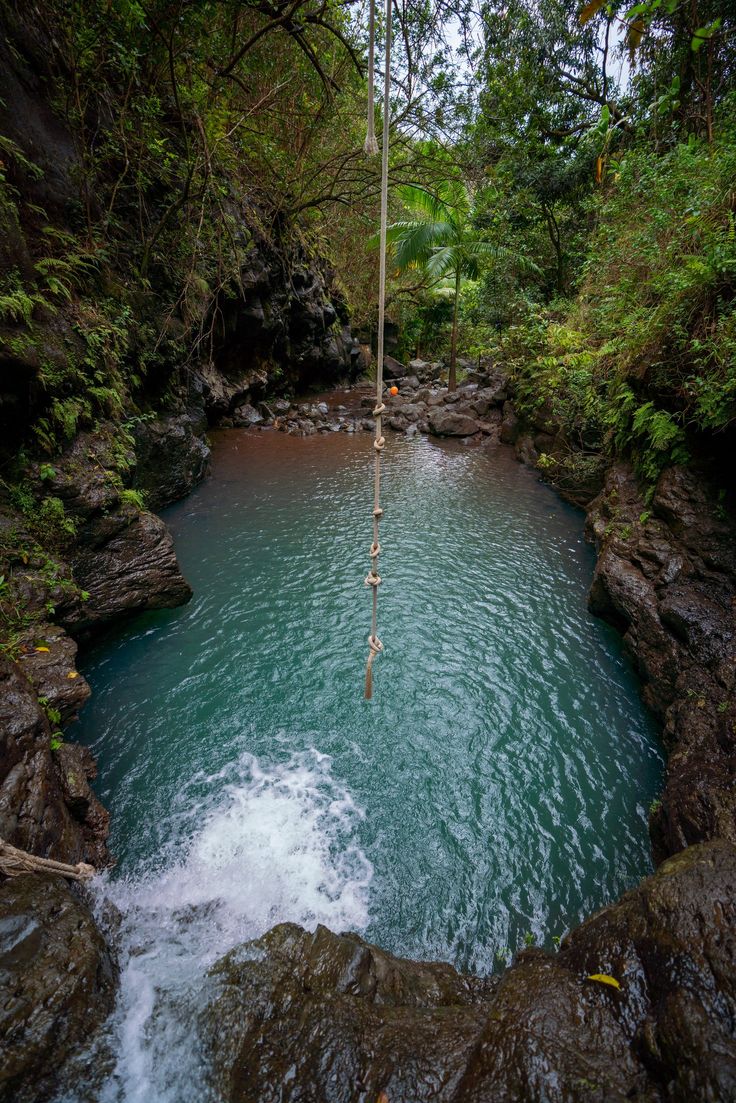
442,240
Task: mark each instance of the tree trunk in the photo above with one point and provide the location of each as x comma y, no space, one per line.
452,377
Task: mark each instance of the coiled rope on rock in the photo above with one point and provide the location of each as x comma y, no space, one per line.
373,579
14,861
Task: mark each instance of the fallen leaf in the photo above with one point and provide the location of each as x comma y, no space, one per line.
41,649
72,674
604,978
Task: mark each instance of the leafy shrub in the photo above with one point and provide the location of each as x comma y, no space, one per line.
646,355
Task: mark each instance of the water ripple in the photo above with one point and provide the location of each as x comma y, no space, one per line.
505,763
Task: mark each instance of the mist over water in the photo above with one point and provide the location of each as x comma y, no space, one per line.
497,784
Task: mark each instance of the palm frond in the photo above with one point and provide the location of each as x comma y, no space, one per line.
443,260
413,243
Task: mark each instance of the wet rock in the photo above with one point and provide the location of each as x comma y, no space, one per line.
84,476
393,369
58,981
510,426
413,411
656,580
329,1017
525,450
53,672
121,556
127,564
222,393
422,369
286,315
447,423
76,767
171,456
246,415
302,1016
34,813
434,398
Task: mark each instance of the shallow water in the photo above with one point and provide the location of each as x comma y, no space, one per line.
494,790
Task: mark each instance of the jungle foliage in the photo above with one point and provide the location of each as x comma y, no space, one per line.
596,143
605,150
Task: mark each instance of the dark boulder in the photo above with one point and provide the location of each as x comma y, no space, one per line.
394,369
448,423
127,564
37,811
58,984
171,456
327,1017
48,660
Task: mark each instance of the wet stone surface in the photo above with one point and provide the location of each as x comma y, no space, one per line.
58,985
303,1016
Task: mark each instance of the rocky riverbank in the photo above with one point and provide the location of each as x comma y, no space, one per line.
422,404
300,1016
637,1004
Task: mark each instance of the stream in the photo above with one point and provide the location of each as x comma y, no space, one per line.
493,792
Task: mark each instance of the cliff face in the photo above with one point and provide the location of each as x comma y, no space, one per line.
108,381
666,577
90,327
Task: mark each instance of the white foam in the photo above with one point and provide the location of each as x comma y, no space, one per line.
267,844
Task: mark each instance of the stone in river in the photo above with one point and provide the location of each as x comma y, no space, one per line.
58,984
447,423
247,415
393,369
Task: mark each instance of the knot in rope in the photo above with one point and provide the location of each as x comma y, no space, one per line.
375,551
379,443
373,579
379,409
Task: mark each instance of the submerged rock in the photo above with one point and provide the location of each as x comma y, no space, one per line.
302,1017
57,982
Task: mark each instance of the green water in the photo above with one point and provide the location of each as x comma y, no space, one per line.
497,784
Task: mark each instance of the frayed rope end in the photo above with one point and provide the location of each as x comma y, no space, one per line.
369,679
376,647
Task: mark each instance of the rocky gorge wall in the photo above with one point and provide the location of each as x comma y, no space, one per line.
300,1016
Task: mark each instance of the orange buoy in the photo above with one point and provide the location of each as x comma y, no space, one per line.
393,390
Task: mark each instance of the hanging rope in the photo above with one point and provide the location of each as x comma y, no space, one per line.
375,647
14,862
371,145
